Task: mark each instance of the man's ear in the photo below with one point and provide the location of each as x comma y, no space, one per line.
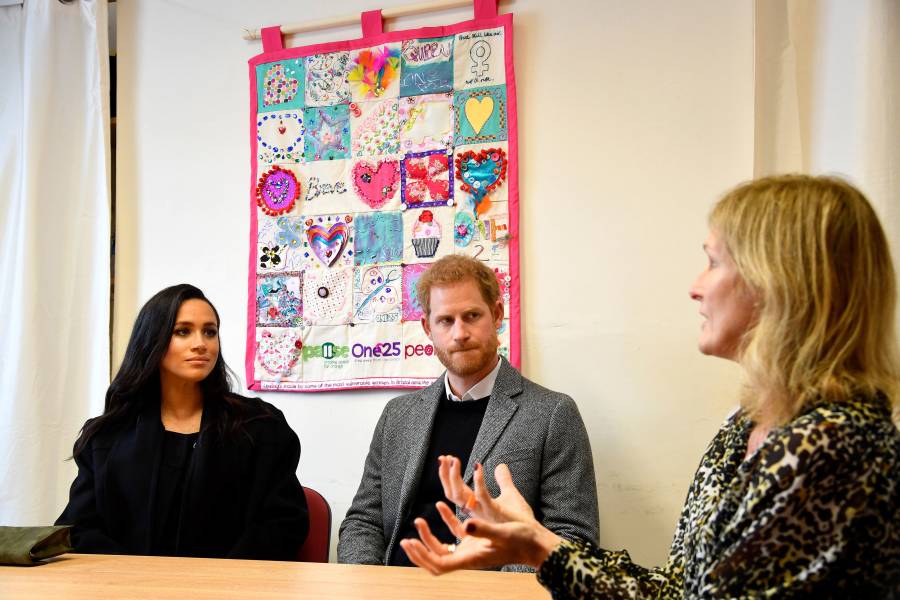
498,313
426,326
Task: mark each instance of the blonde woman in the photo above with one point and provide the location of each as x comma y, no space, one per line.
798,494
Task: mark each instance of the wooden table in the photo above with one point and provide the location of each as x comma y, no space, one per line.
91,576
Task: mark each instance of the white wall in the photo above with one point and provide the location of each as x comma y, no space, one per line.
634,116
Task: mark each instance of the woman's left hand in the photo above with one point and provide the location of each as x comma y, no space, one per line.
482,544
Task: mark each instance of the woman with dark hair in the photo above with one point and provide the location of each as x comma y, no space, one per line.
177,464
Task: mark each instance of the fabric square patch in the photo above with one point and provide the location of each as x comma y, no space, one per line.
427,179
374,73
326,353
278,354
326,79
279,300
327,132
279,244
426,122
326,187
412,308
279,137
328,296
376,182
278,190
376,349
485,238
480,115
419,359
375,127
479,59
279,85
427,66
376,294
328,242
481,178
427,234
379,238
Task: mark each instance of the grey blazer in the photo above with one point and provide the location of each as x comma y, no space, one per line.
537,432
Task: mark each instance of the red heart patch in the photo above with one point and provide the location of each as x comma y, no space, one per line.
376,184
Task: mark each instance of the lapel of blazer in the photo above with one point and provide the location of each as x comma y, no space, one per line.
500,409
417,435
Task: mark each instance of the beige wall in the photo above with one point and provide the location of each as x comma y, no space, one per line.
634,117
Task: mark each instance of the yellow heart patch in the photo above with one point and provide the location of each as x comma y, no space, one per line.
478,111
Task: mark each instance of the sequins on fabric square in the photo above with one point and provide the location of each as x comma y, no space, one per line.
280,85
327,132
279,137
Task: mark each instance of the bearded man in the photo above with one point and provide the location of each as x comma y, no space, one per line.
481,410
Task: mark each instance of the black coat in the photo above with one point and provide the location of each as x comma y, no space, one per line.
241,499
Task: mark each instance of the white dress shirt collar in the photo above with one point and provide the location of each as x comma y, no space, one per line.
482,389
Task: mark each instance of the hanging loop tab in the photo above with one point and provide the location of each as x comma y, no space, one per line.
485,9
372,23
271,38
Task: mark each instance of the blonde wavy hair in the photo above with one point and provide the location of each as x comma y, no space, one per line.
815,256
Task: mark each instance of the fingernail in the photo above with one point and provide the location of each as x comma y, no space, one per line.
477,466
470,527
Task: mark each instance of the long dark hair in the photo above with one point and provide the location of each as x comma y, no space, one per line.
137,385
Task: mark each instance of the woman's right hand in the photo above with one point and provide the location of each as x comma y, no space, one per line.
508,506
502,530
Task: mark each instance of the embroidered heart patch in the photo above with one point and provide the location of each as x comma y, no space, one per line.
279,87
278,354
277,191
327,244
478,111
375,185
481,173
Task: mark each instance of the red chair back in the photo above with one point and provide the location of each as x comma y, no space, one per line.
315,548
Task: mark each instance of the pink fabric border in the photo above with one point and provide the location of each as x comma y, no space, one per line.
505,21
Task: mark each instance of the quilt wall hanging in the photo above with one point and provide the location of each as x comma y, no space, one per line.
370,159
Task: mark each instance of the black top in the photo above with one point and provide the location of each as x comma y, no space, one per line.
173,469
455,428
239,495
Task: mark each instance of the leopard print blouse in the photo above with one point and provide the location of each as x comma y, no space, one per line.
814,512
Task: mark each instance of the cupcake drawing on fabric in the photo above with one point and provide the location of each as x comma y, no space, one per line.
426,235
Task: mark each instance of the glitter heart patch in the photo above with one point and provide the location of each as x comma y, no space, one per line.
276,191
376,184
279,87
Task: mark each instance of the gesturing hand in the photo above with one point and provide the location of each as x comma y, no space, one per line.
508,506
503,530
